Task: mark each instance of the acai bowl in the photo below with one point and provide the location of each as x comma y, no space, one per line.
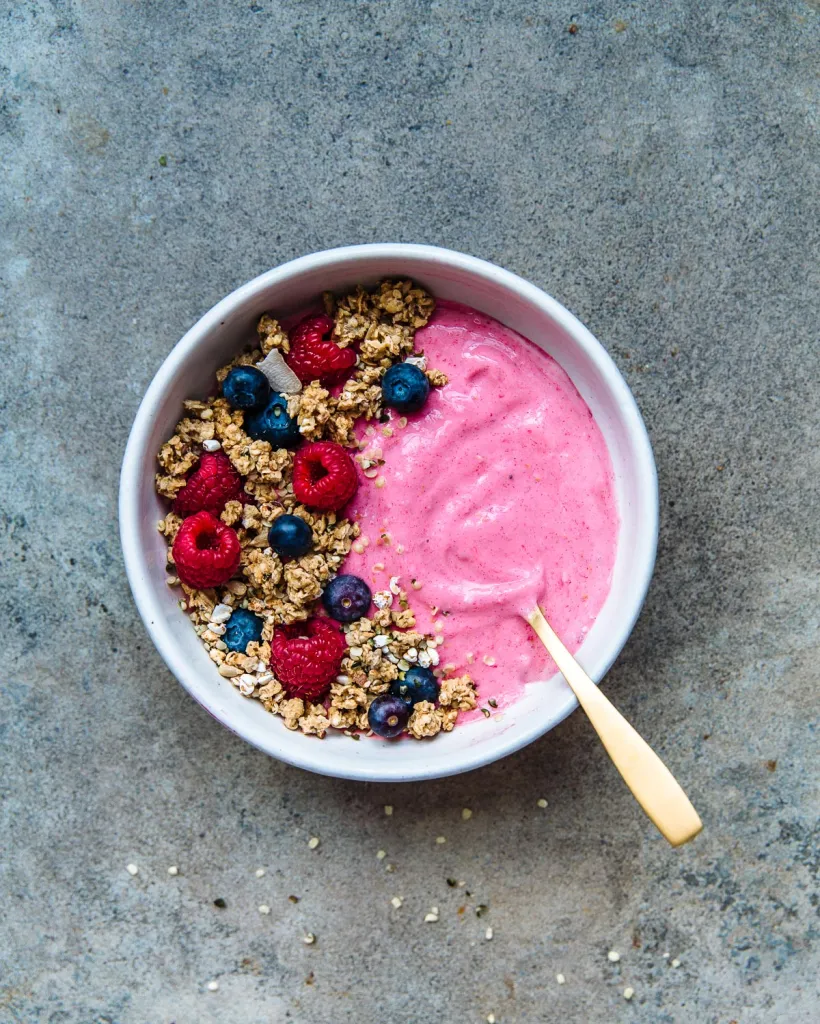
442,526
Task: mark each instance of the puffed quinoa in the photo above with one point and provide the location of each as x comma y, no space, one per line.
382,323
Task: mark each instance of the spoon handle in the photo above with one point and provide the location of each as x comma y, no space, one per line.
651,782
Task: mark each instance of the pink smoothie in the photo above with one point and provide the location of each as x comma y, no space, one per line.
498,495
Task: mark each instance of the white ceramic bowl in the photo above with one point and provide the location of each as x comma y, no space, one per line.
188,372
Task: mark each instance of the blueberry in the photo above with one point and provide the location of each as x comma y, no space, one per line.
245,387
290,536
418,684
242,627
347,598
273,424
388,716
405,387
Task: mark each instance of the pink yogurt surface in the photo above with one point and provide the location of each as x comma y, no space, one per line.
500,493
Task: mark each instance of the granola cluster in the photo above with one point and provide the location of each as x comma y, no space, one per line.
381,324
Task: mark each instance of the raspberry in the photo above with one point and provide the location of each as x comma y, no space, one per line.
315,357
324,476
206,551
307,657
213,483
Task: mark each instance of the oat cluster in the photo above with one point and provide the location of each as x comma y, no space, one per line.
382,325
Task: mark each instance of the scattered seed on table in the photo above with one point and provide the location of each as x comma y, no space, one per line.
488,934
293,899
560,979
466,814
388,810
260,872
676,963
542,803
173,870
213,986
613,956
440,840
432,917
381,854
629,992
264,908
309,939
490,1018
132,869
313,842
219,902
396,901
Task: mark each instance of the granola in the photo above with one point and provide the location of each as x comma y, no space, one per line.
381,325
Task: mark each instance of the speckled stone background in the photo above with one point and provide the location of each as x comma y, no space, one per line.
657,171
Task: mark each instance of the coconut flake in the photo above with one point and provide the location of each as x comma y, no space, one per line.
282,379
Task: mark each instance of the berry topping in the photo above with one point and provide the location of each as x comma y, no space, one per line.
272,424
307,657
324,476
418,684
346,598
206,551
290,536
245,387
405,387
313,356
213,483
388,715
242,628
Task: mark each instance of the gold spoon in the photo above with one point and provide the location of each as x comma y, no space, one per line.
651,782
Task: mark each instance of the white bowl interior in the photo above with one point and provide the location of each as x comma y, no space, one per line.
188,372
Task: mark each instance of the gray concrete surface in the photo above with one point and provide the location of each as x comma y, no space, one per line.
657,171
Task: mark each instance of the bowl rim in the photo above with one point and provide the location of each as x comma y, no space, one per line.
138,571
